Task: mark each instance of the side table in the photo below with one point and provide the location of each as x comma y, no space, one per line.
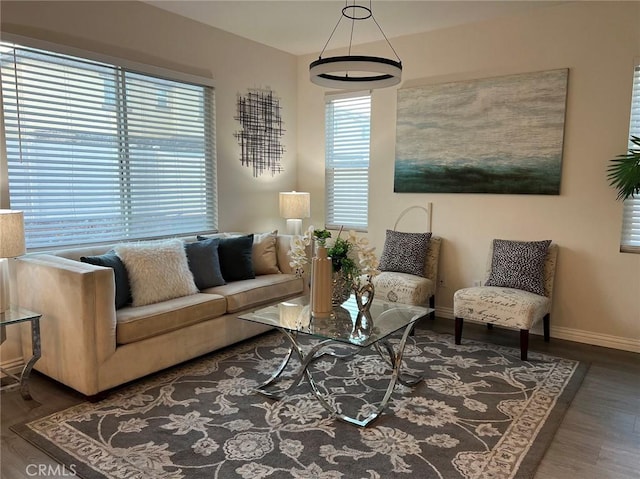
15,315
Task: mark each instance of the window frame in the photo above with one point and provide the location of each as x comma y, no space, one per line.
207,175
630,235
335,213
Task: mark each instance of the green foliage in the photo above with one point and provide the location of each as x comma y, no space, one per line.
321,236
340,259
624,171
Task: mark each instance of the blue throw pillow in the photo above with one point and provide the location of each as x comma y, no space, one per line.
236,258
204,263
111,260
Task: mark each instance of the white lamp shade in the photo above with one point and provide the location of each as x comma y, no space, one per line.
295,205
11,233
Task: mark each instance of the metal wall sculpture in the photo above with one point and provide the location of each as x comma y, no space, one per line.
494,135
259,114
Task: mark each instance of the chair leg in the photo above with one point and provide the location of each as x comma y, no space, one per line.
432,305
458,330
524,343
545,326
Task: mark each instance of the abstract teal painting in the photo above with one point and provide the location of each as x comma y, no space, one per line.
493,135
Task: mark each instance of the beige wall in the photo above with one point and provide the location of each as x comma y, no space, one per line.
598,288
138,32
142,33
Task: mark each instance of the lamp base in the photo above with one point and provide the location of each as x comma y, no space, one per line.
294,226
5,297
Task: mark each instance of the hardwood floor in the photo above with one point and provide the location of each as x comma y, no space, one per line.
599,437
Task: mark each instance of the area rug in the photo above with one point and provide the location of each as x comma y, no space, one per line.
479,412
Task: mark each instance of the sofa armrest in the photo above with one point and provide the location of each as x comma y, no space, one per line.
78,326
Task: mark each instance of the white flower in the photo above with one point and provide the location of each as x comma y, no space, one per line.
367,260
298,252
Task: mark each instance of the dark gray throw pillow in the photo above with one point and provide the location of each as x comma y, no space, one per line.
236,257
404,252
519,265
204,263
111,260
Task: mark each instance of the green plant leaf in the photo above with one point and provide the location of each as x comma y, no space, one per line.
623,172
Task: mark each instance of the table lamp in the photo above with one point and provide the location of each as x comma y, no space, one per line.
11,245
294,206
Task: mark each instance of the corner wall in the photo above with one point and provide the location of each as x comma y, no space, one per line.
139,32
597,288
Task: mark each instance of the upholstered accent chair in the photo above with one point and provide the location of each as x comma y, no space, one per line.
410,288
508,306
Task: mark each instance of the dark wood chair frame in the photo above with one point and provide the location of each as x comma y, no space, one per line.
524,334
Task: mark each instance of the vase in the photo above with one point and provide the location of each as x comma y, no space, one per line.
341,288
321,287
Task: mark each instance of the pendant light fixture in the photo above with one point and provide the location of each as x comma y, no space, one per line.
352,72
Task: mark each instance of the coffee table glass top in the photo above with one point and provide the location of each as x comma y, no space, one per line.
17,315
345,324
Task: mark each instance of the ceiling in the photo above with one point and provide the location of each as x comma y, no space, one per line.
302,27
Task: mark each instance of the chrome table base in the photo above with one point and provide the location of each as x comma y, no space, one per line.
393,359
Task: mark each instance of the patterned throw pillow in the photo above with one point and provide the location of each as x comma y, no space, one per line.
519,265
404,252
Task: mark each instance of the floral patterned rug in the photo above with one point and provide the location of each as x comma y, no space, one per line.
479,412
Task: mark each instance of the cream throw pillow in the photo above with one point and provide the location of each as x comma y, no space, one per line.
265,258
157,270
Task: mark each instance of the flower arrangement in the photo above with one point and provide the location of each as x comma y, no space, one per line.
352,256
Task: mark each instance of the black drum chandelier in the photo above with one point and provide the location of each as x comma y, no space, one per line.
352,72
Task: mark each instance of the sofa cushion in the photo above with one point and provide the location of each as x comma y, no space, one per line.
404,252
258,291
519,265
158,270
138,323
508,307
236,257
204,263
403,288
264,256
111,260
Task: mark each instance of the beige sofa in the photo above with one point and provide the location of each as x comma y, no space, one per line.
90,346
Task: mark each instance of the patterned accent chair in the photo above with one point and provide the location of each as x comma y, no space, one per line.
408,288
507,307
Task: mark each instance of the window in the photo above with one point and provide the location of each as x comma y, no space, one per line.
348,132
630,241
93,156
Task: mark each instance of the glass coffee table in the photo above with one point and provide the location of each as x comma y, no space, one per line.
347,326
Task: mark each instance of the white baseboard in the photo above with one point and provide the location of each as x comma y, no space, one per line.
570,334
444,312
596,339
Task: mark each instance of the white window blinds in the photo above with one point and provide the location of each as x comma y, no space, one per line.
99,153
630,241
348,132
